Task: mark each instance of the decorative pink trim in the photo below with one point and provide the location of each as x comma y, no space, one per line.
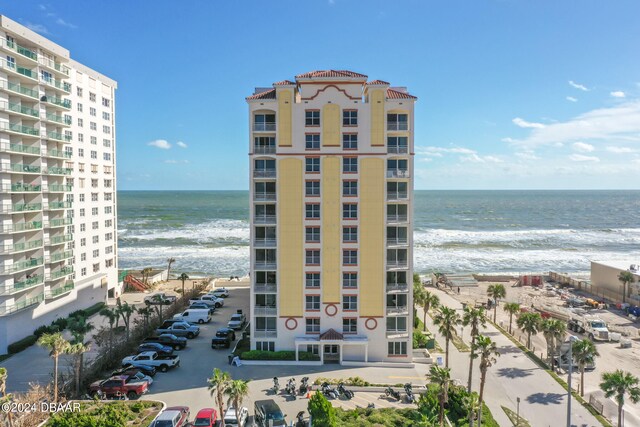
326,309
367,325
291,319
327,87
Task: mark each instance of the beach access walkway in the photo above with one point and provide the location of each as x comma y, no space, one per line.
543,402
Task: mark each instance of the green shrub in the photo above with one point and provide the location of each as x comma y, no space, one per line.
419,339
61,323
77,313
18,346
277,355
93,309
321,411
41,330
351,381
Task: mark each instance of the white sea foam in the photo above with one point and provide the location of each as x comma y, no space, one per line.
208,232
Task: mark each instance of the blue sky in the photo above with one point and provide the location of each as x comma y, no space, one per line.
512,94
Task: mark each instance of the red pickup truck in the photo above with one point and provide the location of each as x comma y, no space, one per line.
119,385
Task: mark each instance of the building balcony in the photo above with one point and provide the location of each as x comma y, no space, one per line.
58,154
22,285
57,119
58,84
16,70
397,333
19,109
264,219
264,149
59,256
264,173
58,102
397,310
262,310
19,266
59,222
55,170
21,207
397,195
20,247
21,227
266,265
22,91
11,46
265,243
398,150
265,288
264,196
397,288
397,126
266,333
21,168
22,188
397,241
397,264
21,149
58,205
19,129
397,173
60,69
397,218
61,272
57,188
60,290
58,136
8,310
60,239
264,127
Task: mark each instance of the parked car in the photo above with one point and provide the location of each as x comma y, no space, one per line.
162,350
194,315
220,292
181,329
207,417
178,343
146,370
174,416
237,320
139,376
162,363
209,299
121,385
203,305
160,298
230,418
224,337
267,411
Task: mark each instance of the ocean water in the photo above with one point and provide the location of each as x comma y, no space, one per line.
455,231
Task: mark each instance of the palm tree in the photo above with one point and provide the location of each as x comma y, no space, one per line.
145,274
125,311
447,319
442,378
511,308
626,278
56,345
114,319
529,323
169,262
237,390
487,351
471,404
3,392
427,301
77,350
553,331
473,317
146,313
217,384
496,292
184,277
584,353
159,303
79,328
617,384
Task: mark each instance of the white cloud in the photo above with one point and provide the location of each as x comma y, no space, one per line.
572,99
620,150
525,124
181,144
173,162
617,94
578,86
583,158
430,150
474,158
527,155
64,23
637,161
38,28
160,143
426,159
583,147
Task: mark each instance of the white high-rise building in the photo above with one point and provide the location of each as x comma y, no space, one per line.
58,247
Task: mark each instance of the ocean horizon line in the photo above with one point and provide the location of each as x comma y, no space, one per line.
434,190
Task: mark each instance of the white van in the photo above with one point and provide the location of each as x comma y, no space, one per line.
194,315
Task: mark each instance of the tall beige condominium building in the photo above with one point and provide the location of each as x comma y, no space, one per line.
331,217
57,173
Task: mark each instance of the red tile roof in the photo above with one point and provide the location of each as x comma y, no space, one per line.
378,82
396,94
284,83
268,94
331,335
330,73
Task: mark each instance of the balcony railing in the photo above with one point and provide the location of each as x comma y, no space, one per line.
264,127
264,219
21,305
267,288
402,149
397,263
397,126
60,256
28,53
397,241
64,103
21,247
55,66
397,195
22,226
397,173
19,109
23,265
22,285
21,168
397,310
58,84
21,148
58,136
13,87
60,222
65,271
261,243
59,154
261,310
397,218
58,205
264,149
27,72
22,188
264,196
56,118
397,333
269,333
397,287
54,170
267,265
18,128
264,173
57,291
22,207
58,188
56,240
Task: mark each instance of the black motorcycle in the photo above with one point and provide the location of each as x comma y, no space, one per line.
304,385
300,421
291,387
343,391
329,391
391,392
408,388
276,385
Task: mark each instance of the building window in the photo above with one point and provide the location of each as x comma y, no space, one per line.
349,117
312,141
396,324
93,126
108,263
312,257
96,253
106,102
312,118
312,302
83,227
349,326
349,188
92,97
94,225
350,165
349,141
79,107
266,324
108,250
94,154
397,168
350,280
312,164
397,144
312,234
312,280
82,197
106,129
108,223
92,111
312,211
82,212
108,209
106,156
312,326
349,302
398,348
349,211
397,190
96,267
83,272
265,346
312,188
83,256
80,123
397,122
350,257
313,349
94,211
95,239
349,234
80,152
106,143
79,92
264,122
83,242
106,116
80,137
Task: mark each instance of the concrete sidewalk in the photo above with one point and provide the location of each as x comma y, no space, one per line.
543,400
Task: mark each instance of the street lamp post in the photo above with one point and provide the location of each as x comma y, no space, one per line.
572,339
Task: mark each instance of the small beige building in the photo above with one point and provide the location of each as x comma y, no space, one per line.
605,282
